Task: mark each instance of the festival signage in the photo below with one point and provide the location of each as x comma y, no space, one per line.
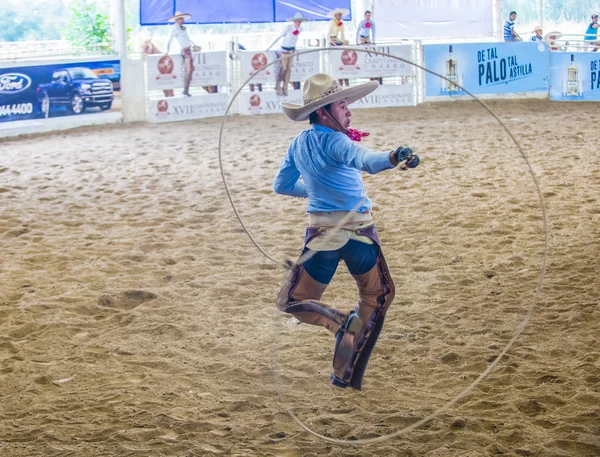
267,102
348,63
40,91
186,108
303,66
387,96
574,76
168,71
252,62
486,68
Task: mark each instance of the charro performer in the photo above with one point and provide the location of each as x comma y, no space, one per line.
288,46
365,35
330,161
179,32
336,32
365,32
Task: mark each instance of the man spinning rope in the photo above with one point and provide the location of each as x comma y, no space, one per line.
330,161
288,46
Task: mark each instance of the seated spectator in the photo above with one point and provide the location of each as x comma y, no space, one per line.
509,28
538,34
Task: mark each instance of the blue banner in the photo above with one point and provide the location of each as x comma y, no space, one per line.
59,89
486,68
157,12
574,76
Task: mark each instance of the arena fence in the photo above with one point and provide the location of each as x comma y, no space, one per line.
76,91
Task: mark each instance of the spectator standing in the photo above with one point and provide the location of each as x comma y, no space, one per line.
591,34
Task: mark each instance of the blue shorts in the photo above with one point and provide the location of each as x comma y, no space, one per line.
359,257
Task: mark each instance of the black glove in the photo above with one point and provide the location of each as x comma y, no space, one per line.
401,154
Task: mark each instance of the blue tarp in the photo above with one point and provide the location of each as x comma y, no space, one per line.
157,12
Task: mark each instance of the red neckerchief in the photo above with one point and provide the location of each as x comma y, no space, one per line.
340,24
296,32
356,135
368,24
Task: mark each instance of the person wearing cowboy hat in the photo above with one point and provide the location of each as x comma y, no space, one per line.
538,34
330,161
288,46
591,34
336,31
179,32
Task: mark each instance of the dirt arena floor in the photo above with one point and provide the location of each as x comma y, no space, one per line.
137,319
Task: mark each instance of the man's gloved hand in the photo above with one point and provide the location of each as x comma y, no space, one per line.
403,154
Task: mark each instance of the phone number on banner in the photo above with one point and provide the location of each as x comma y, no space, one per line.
19,108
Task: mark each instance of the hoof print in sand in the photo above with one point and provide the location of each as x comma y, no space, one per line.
126,300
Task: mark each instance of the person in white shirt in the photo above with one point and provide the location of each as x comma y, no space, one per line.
290,37
179,33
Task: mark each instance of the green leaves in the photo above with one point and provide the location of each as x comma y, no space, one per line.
88,25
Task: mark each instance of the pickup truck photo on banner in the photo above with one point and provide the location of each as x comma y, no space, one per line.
304,65
486,68
348,63
40,91
574,76
168,71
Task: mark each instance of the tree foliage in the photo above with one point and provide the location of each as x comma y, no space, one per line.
88,25
554,10
29,20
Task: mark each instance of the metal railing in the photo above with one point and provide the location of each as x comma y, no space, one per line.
18,50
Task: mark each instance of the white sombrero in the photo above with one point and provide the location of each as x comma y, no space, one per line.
297,17
177,15
320,90
552,36
343,11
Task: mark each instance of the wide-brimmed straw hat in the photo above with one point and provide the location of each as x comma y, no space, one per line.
320,90
552,36
344,11
536,28
177,15
297,17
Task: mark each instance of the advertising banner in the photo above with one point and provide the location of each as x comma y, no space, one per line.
347,63
433,18
574,76
157,12
252,61
386,96
39,91
267,102
186,108
168,71
303,66
486,68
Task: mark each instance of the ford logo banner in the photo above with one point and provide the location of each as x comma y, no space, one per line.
12,83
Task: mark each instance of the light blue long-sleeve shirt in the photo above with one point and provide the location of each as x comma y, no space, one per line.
331,166
363,30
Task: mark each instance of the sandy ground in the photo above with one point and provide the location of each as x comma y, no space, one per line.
137,319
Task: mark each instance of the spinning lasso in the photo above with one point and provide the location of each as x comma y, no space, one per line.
289,264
